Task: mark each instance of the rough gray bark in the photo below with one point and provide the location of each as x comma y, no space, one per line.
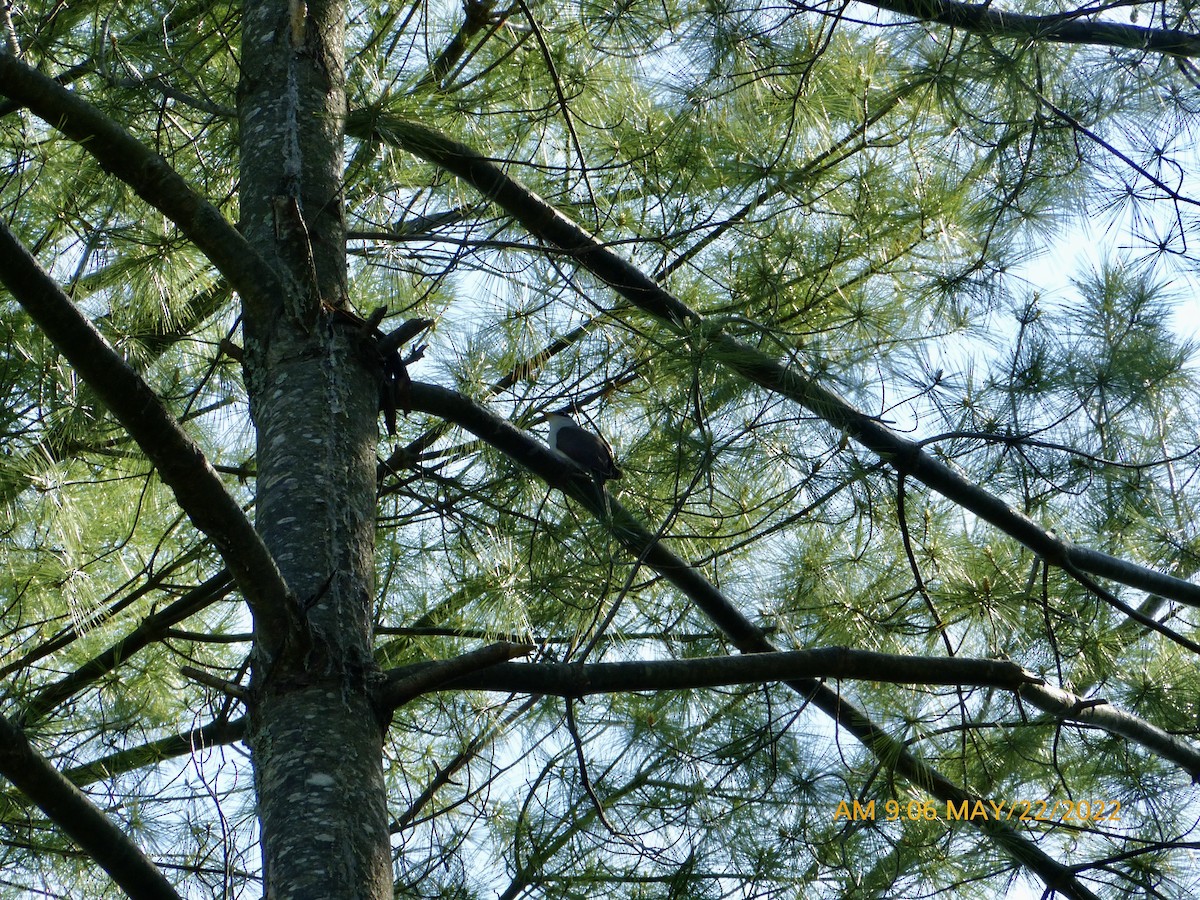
315,737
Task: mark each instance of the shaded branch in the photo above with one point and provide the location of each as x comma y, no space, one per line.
149,175
907,456
180,462
579,680
149,630
1062,28
747,636
216,733
575,680
1103,715
402,685
79,818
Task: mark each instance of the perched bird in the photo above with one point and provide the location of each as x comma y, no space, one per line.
588,451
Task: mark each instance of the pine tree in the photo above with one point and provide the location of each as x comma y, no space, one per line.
894,598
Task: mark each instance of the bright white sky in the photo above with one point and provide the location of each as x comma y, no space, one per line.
1081,251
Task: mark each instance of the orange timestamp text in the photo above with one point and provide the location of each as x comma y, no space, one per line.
1080,811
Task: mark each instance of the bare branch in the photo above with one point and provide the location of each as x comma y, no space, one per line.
217,733
180,462
907,456
403,685
1103,715
1062,28
579,680
79,818
150,176
747,636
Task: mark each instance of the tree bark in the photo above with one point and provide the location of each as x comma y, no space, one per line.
316,740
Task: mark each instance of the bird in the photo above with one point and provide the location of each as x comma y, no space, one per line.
588,451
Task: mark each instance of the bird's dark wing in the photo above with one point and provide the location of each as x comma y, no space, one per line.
590,451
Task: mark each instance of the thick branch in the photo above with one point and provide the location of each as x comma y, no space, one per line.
548,224
478,17
218,733
747,636
1103,715
404,684
148,174
180,462
572,680
79,818
1064,28
580,680
150,629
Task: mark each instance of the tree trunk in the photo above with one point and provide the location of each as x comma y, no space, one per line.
315,738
